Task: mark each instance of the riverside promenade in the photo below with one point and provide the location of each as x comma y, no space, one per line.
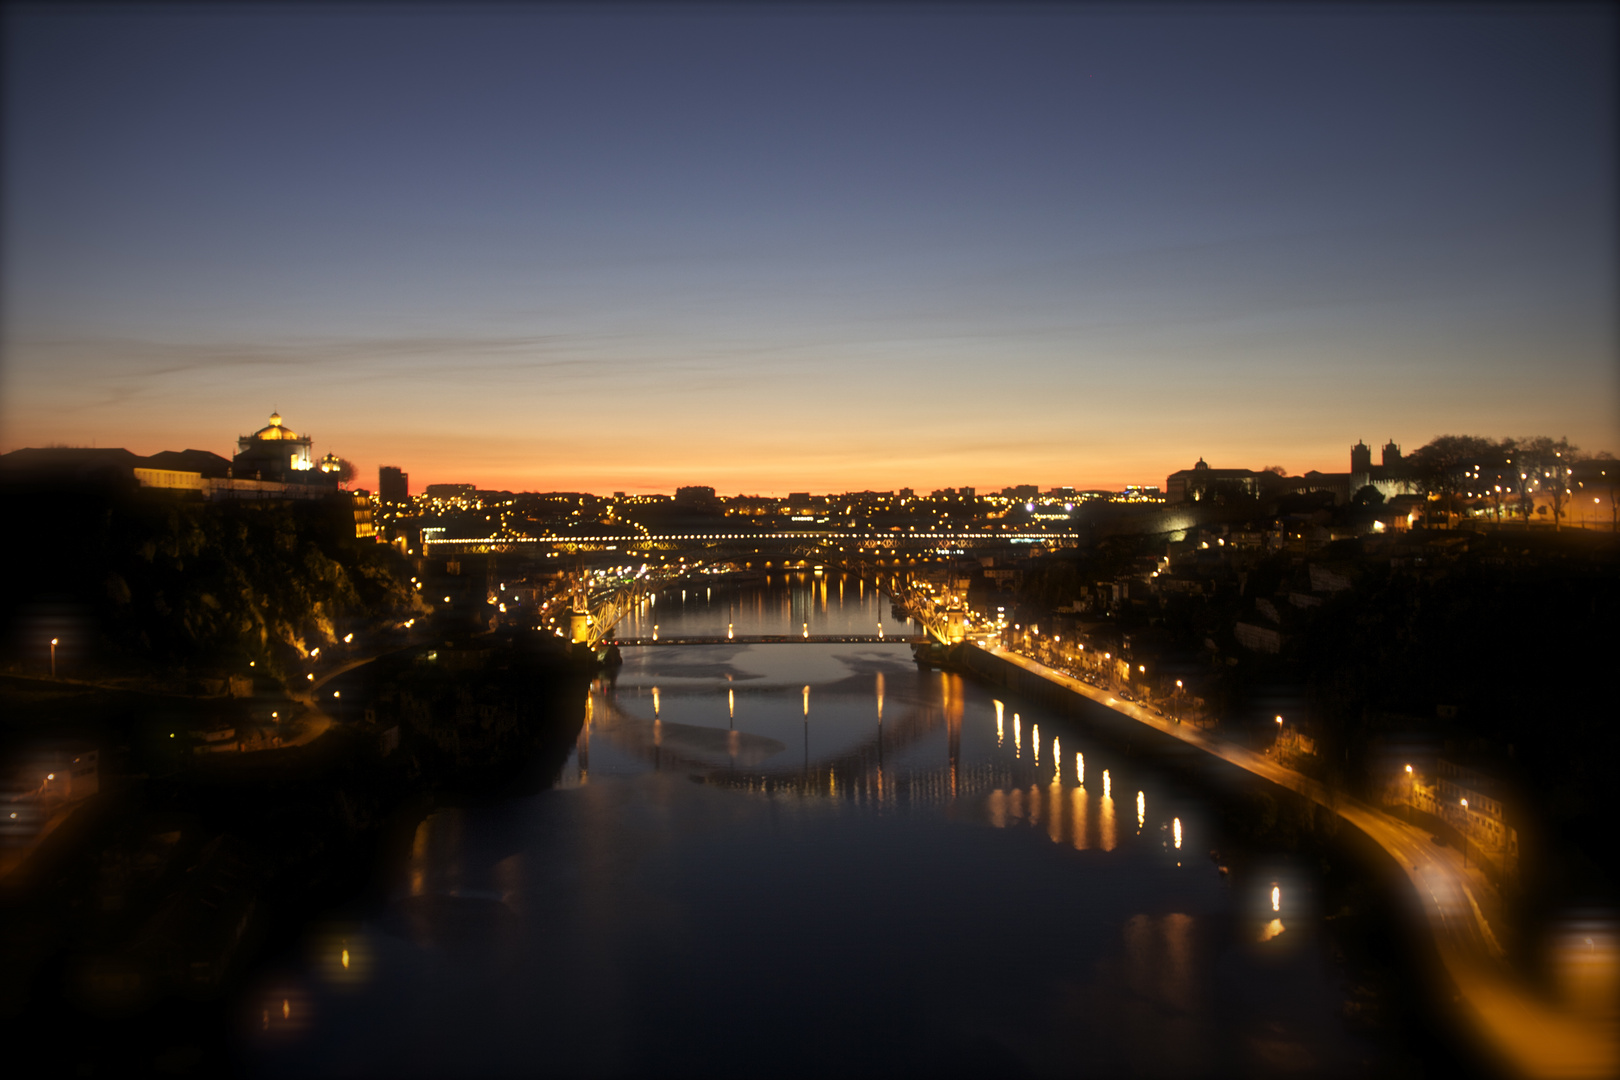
1530,1035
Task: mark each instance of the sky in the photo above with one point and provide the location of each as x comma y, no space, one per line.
822,248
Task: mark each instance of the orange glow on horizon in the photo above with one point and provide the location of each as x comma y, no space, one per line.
696,457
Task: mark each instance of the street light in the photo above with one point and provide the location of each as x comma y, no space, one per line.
53,657
1465,833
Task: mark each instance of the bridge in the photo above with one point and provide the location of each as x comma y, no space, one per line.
716,753
810,541
777,639
942,611
594,612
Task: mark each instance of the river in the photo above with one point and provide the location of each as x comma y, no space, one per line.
809,858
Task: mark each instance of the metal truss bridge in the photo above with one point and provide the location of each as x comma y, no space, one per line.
818,542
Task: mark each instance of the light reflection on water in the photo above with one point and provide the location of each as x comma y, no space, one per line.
779,603
863,852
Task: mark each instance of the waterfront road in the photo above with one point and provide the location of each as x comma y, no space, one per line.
1532,1036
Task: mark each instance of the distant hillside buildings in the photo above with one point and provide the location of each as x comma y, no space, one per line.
1201,482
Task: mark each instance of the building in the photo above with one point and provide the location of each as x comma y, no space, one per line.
205,463
393,486
276,452
272,463
465,492
365,526
1257,638
72,466
183,470
1361,458
696,494
1473,803
1391,478
1201,483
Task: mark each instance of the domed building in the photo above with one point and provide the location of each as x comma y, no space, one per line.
276,452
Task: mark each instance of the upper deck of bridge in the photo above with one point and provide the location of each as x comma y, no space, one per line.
773,639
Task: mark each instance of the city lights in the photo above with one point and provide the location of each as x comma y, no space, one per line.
759,277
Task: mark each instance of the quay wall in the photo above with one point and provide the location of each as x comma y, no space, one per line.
1115,727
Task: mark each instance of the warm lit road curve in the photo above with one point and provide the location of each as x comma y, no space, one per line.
1533,1037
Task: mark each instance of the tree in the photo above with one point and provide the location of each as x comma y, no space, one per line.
1606,480
345,471
1369,496
1522,483
1440,464
1544,465
1502,482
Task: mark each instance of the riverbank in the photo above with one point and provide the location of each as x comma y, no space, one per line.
131,943
1529,1035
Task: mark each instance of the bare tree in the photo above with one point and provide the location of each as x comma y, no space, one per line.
1522,481
1603,479
1504,483
1547,461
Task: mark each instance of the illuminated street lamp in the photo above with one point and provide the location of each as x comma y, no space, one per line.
53,657
1465,833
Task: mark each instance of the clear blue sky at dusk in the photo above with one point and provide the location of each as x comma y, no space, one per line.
824,248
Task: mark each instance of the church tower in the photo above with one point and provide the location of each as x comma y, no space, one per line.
1361,458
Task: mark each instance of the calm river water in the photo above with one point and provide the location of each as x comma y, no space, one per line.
817,858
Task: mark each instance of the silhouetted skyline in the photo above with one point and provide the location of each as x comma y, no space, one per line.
820,249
